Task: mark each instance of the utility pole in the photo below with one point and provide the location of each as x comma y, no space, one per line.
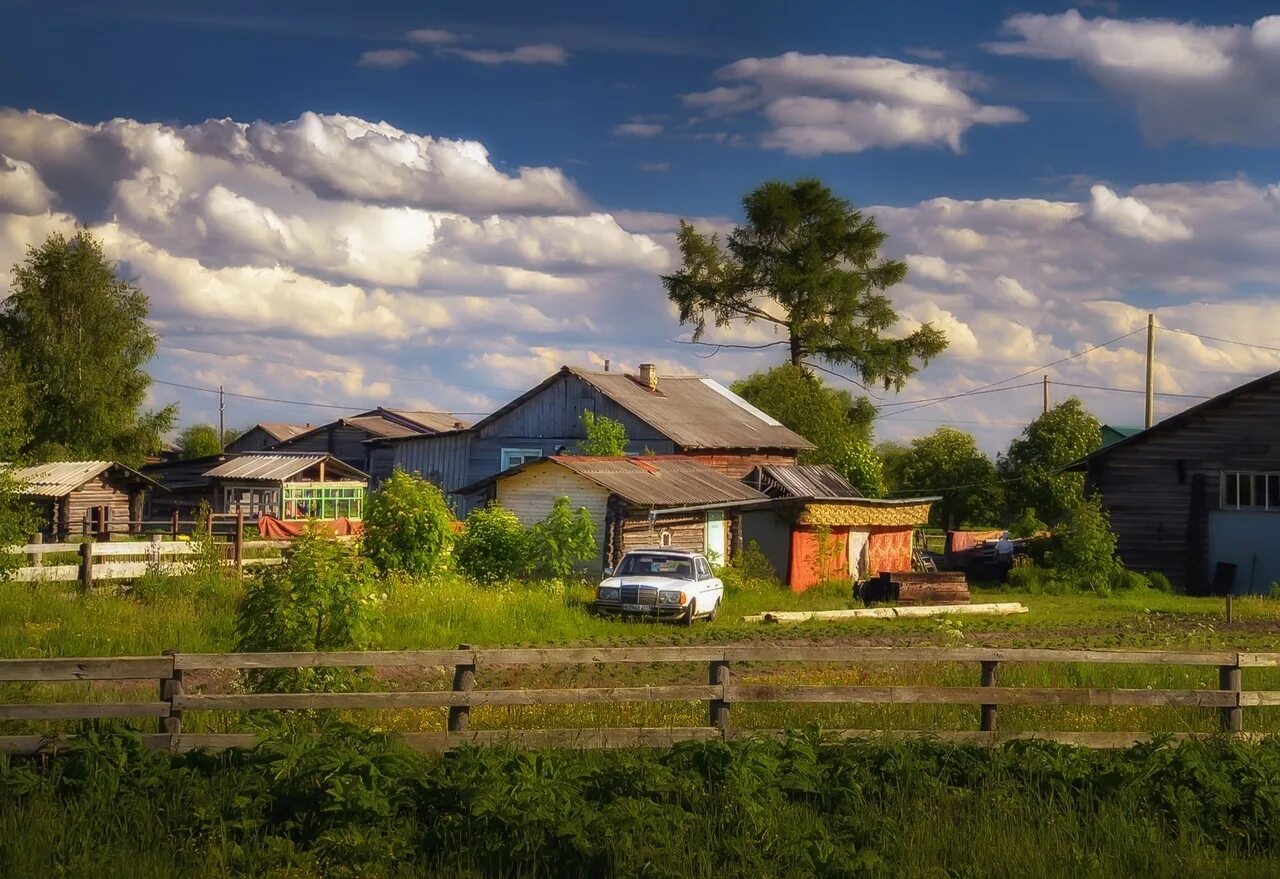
1046,395
1151,370
222,408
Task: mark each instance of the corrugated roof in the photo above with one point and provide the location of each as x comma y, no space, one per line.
280,430
63,477
696,413
647,480
812,481
280,466
435,422
381,427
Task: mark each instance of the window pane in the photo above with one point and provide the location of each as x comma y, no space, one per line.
1273,491
1231,491
1259,490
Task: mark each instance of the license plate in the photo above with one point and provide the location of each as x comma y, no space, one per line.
635,607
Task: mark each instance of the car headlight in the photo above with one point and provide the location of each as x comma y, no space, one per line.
665,597
609,593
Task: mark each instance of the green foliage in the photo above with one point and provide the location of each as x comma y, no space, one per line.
605,437
751,570
1159,581
1065,433
78,338
561,540
407,526
493,546
18,521
859,464
342,803
949,463
324,598
1083,547
893,457
1027,524
198,441
817,260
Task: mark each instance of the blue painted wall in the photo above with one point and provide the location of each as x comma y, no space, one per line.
1249,539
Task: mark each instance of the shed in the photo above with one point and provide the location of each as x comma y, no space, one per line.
1199,489
266,434
68,494
823,528
299,485
648,500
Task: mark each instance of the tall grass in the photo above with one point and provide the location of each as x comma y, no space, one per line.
340,804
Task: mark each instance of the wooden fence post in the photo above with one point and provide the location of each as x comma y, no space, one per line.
36,557
988,722
170,689
237,550
718,714
1230,678
86,566
464,678
104,524
153,552
173,523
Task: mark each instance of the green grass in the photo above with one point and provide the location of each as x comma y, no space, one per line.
338,804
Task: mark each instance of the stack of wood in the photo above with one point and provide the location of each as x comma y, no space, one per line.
917,587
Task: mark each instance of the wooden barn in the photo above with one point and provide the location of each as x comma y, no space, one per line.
685,415
265,435
350,439
644,501
1198,490
821,527
68,494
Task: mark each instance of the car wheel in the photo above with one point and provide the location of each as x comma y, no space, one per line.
715,612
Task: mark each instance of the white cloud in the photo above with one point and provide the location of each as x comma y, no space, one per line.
1188,81
1132,218
432,37
388,59
638,129
21,189
816,104
541,53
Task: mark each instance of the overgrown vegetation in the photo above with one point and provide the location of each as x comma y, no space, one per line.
407,526
605,436
344,804
493,546
561,540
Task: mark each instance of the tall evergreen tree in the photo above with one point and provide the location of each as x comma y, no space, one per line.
809,263
76,335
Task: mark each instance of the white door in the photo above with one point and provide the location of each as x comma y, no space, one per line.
716,537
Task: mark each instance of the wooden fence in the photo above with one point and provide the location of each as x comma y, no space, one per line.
720,693
130,559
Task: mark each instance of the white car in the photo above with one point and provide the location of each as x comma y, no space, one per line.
661,584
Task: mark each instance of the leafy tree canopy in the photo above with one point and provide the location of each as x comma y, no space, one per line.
407,526
605,436
949,463
1065,433
809,263
76,335
201,440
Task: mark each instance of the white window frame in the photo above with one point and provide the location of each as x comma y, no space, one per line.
523,454
1267,502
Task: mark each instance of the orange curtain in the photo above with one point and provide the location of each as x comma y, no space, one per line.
817,556
889,549
272,528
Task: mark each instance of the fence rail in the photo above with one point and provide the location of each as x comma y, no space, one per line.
102,560
720,692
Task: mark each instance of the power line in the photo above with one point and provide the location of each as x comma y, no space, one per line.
1028,372
1219,339
343,407
974,393
998,481
1128,390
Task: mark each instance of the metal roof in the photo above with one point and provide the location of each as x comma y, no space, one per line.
811,481
63,477
433,422
694,412
280,430
280,466
646,480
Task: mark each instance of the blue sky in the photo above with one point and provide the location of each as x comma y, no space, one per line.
360,229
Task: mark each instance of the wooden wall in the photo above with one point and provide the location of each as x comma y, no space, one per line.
688,532
531,494
556,414
739,463
100,492
1159,490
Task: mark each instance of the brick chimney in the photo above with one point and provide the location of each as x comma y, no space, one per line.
649,376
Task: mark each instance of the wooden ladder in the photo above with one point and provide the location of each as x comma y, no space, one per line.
922,561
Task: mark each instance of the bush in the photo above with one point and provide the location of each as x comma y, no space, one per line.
605,437
493,546
407,526
750,570
561,540
1084,547
1122,580
322,598
1158,581
1027,524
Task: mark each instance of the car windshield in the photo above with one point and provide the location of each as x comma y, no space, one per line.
643,565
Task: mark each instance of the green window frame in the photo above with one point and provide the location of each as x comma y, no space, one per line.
322,500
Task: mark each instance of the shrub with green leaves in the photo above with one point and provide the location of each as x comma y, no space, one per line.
605,436
325,597
18,522
493,546
562,540
1084,546
407,526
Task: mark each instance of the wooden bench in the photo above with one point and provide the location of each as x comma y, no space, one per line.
917,587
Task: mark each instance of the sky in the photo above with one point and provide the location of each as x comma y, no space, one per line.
435,205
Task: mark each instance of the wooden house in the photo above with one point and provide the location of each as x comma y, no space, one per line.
349,439
185,487
1199,489
645,501
820,527
106,496
685,415
297,485
266,434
